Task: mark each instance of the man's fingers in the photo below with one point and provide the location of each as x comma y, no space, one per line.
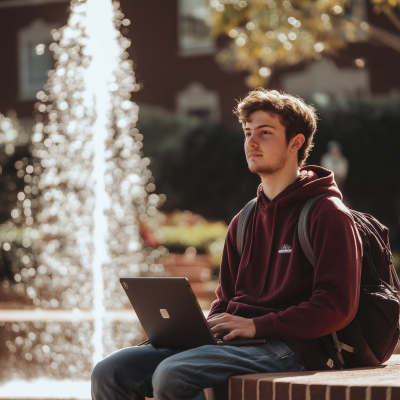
218,319
232,335
221,327
232,326
218,316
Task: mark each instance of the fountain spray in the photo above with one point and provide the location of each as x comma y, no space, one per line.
94,188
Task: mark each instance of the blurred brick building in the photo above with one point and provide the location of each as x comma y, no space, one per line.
175,59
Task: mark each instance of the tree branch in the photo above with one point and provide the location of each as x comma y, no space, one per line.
392,16
383,36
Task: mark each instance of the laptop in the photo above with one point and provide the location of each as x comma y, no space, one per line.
170,314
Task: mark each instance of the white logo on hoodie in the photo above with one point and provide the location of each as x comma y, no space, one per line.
285,249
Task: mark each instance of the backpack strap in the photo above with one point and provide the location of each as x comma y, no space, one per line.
303,228
303,231
243,221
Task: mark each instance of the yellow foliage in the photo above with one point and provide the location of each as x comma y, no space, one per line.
273,33
388,3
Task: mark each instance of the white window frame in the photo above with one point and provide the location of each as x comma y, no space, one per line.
194,49
38,32
359,13
196,97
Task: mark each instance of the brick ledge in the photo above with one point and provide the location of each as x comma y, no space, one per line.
375,383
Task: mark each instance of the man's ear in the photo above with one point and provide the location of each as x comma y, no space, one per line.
297,142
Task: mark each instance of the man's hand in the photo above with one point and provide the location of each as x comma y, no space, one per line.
232,326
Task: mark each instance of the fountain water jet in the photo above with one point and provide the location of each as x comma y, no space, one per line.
104,55
94,188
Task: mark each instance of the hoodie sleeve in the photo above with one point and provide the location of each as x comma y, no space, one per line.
336,286
228,273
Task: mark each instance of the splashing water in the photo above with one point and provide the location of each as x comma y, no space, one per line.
93,189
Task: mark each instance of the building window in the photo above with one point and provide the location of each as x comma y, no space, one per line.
35,58
194,33
198,102
356,10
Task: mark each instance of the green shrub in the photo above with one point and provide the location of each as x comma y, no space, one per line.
14,147
17,253
182,230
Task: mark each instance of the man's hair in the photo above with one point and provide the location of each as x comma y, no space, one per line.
294,114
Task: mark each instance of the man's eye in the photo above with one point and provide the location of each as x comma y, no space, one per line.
265,132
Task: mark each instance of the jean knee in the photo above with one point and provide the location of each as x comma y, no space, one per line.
100,372
98,379
167,377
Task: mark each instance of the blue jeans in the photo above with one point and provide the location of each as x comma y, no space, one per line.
178,374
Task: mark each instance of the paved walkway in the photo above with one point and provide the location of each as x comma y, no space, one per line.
45,389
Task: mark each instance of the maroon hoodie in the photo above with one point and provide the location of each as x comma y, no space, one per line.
274,283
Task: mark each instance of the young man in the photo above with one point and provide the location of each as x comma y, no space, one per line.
272,292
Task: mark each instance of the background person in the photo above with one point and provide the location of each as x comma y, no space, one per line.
335,161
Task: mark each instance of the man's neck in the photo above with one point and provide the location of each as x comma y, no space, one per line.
276,183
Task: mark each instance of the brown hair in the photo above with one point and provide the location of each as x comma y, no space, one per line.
294,114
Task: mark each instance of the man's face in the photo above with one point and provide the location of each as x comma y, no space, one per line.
265,143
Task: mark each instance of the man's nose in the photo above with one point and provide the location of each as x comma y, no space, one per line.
252,141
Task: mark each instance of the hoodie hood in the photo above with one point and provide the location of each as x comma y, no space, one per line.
312,181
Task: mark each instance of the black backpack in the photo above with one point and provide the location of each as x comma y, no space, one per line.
373,334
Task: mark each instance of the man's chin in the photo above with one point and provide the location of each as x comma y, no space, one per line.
259,170
264,170
256,168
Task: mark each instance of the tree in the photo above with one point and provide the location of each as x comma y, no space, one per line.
272,33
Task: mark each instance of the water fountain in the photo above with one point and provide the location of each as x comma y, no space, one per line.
92,195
